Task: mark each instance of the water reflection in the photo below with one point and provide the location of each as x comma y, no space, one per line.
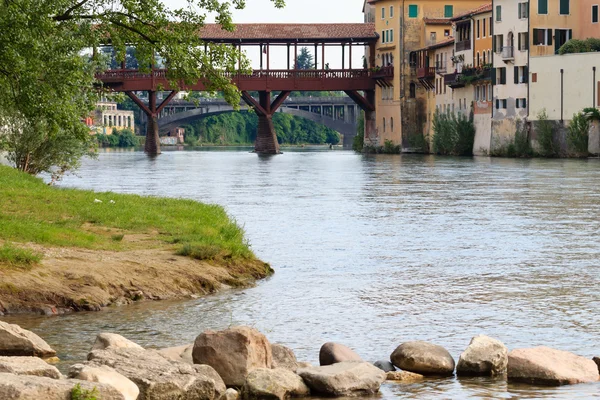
372,251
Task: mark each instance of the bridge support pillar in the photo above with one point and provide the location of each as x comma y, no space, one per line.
266,137
367,104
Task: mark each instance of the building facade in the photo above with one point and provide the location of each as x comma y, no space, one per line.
107,117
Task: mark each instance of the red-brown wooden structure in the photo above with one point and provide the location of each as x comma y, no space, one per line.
266,80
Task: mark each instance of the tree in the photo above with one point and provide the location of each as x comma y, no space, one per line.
47,82
305,59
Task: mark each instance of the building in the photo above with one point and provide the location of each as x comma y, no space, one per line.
405,27
107,117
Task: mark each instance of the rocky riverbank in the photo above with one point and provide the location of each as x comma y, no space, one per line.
240,363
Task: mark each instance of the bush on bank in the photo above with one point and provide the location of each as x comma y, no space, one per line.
122,138
31,211
453,134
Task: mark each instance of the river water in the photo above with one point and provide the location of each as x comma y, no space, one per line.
373,251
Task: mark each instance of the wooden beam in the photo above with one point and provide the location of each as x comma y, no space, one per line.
139,103
279,100
253,103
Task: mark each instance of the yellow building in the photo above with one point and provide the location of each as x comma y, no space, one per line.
406,26
552,24
107,117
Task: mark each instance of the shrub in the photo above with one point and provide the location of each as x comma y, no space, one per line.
545,135
419,142
453,134
200,251
390,148
77,393
521,145
580,46
578,135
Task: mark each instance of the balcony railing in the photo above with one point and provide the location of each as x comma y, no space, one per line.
464,45
508,52
453,80
425,72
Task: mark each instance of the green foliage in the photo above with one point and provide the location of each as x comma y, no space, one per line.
240,128
305,59
359,140
390,148
117,237
545,135
31,211
78,393
578,135
200,252
521,145
453,134
419,142
17,257
592,114
122,138
580,46
47,76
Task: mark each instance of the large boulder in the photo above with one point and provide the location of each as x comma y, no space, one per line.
348,378
385,366
230,394
273,384
158,377
27,387
332,353
283,357
423,358
16,341
28,366
107,375
112,340
546,366
597,361
233,353
179,353
485,356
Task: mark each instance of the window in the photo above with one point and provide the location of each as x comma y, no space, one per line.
484,59
534,77
521,75
501,104
542,7
391,11
523,10
524,41
392,124
542,37
498,43
448,11
565,7
477,91
498,13
483,97
561,37
489,92
384,124
382,36
478,29
490,27
595,14
521,103
413,11
391,35
478,59
447,31
413,91
499,77
484,31
382,12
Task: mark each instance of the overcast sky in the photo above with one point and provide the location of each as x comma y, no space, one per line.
301,11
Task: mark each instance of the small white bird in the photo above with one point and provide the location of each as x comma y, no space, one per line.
112,202
97,201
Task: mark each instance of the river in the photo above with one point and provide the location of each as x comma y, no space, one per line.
373,251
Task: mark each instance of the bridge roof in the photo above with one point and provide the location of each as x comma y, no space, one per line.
291,33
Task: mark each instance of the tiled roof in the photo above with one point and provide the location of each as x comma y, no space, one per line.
290,32
443,43
437,21
479,10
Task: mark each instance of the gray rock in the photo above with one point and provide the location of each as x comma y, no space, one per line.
304,364
597,361
179,353
332,353
230,394
485,356
349,378
16,341
273,384
158,377
385,366
107,375
233,353
546,366
423,358
27,387
283,357
112,340
28,366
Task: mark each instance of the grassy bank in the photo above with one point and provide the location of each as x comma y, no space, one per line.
43,228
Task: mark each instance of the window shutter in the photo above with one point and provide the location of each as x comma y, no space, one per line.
570,34
542,6
516,75
564,7
536,36
519,35
526,47
520,9
494,76
549,33
524,102
497,104
503,76
526,74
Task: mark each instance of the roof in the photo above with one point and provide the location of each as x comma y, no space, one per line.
286,33
479,10
437,21
443,43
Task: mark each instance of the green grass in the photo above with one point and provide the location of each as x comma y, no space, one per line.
31,211
17,257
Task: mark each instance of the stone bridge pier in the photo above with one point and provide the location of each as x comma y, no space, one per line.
266,137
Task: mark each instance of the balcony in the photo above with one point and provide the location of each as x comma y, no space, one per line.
426,73
453,80
440,67
508,53
464,45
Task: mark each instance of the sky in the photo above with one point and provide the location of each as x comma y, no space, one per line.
299,11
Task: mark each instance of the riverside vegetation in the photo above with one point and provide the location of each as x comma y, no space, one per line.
66,249
239,363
